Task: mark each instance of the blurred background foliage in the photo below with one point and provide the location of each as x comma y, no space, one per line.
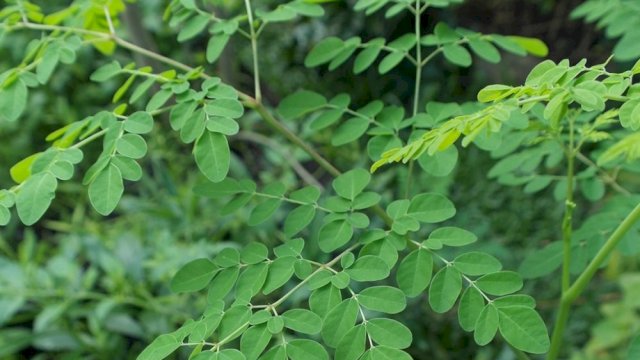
79,286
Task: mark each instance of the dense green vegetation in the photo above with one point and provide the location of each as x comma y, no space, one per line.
313,179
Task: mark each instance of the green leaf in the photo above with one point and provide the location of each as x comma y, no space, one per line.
352,344
263,211
339,321
193,276
13,100
441,163
470,307
390,333
222,125
254,341
630,114
254,253
324,51
349,131
48,64
445,289
335,234
139,123
302,321
230,108
193,27
160,348
515,300
542,262
486,325
35,196
634,349
275,325
385,299
132,146
106,72
280,271
213,155
325,298
385,353
351,183
532,45
222,283
431,208
493,92
368,268
300,103
524,329
129,168
390,61
367,56
234,320
298,219
500,283
453,236
158,99
304,349
414,273
215,46
457,54
485,50
106,190
476,263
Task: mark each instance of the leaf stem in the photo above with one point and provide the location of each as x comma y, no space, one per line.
254,51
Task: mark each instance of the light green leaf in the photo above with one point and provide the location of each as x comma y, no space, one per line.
532,45
524,329
485,50
254,341
385,353
339,321
352,344
390,333
222,125
453,236
160,348
325,298
193,276
304,349
368,268
302,321
129,168
300,103
229,108
298,219
280,271
132,146
335,234
324,51
222,283
35,196
349,131
351,183
263,211
542,262
193,27
106,72
500,283
390,61
477,263
386,299
470,307
414,273
431,208
457,54
106,190
215,46
139,123
13,100
254,253
486,326
445,289
213,155
367,56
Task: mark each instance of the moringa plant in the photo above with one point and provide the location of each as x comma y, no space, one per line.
355,255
